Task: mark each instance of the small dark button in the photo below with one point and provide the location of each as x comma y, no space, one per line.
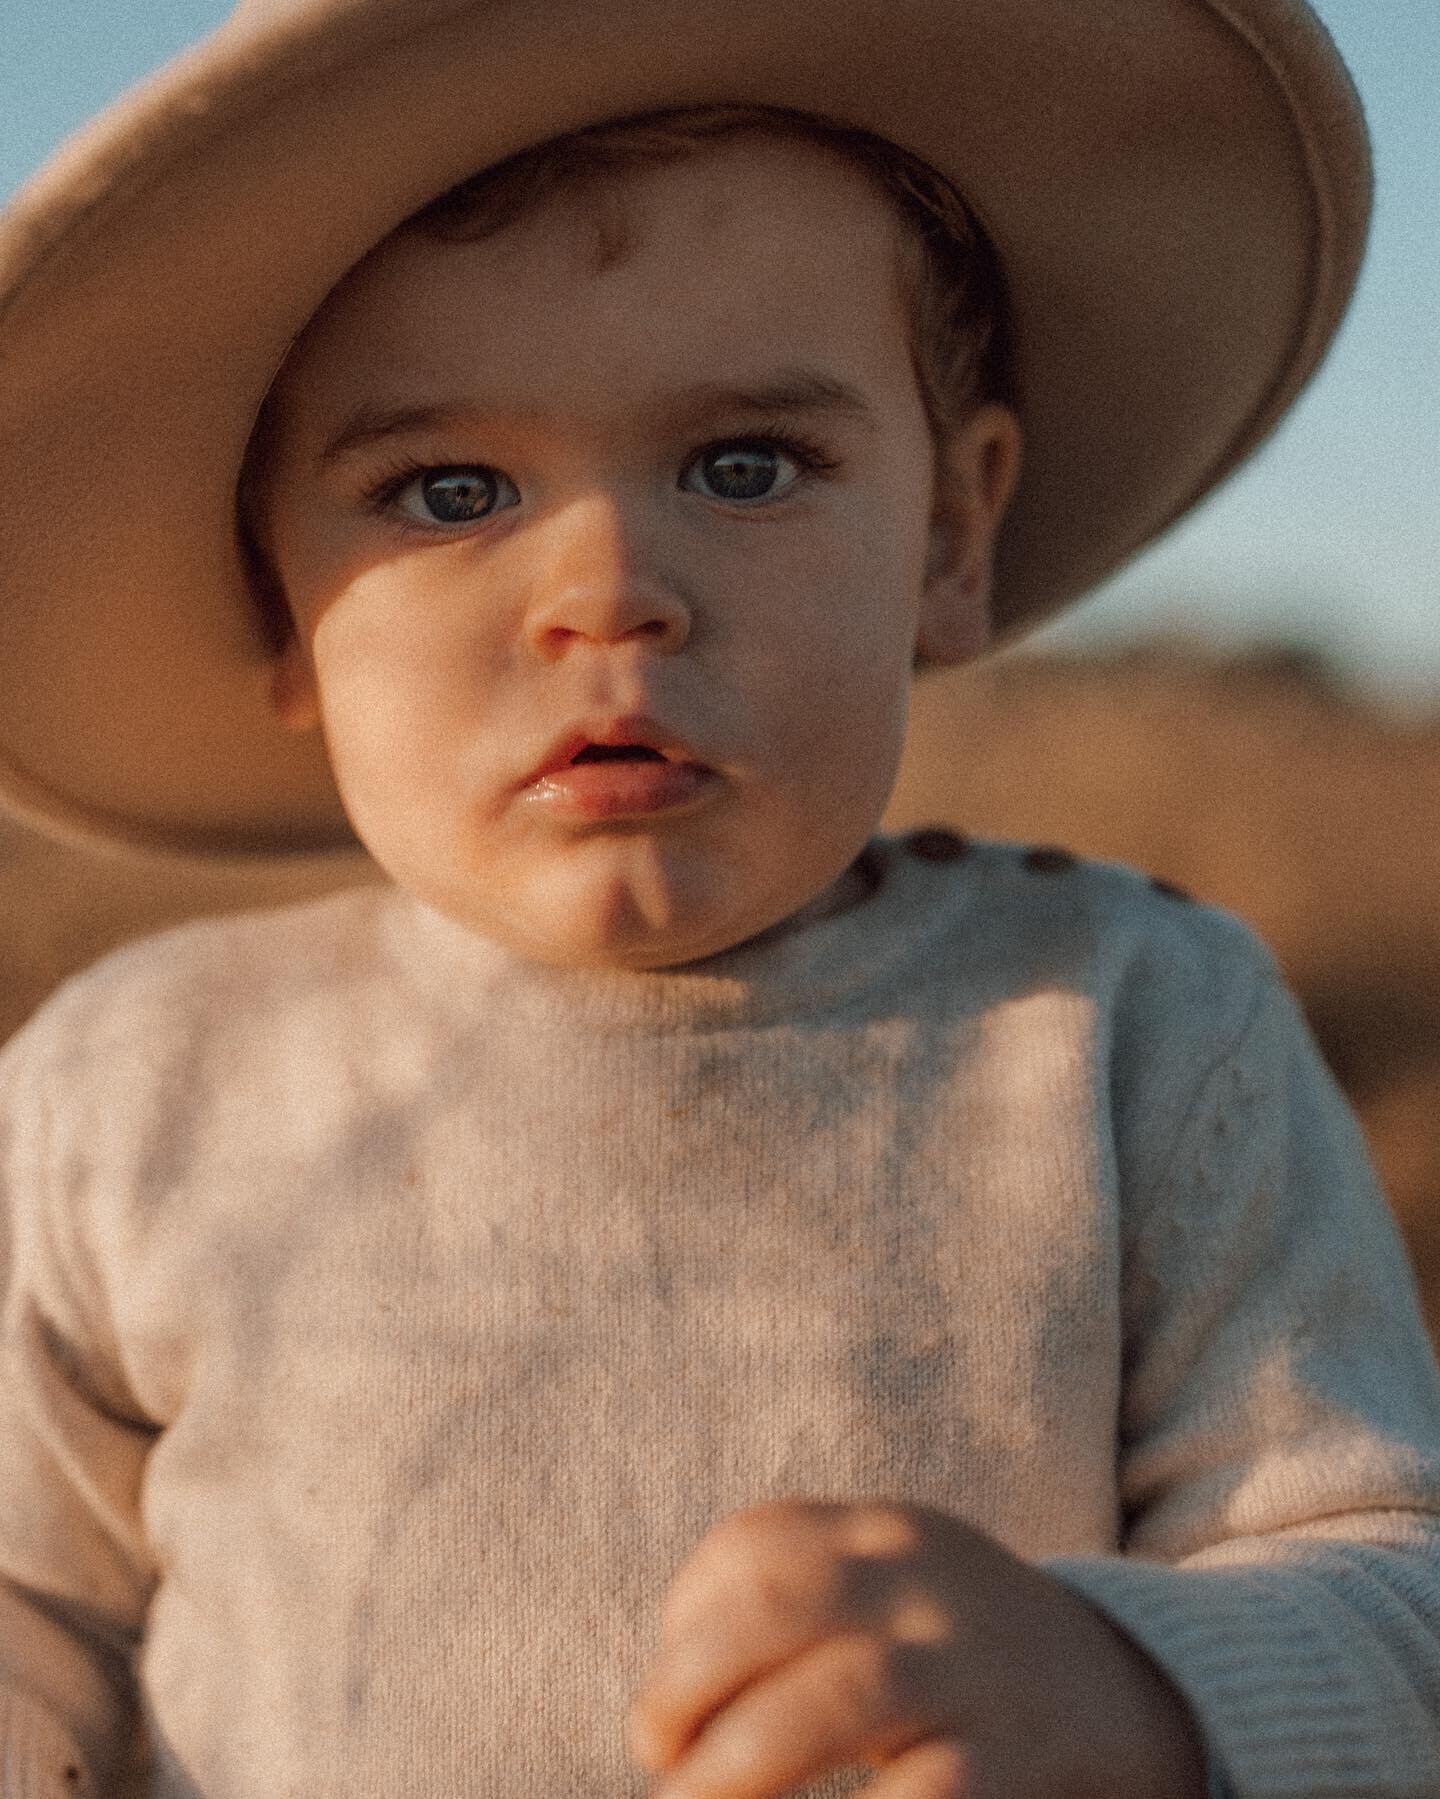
1048,861
936,845
870,868
1170,890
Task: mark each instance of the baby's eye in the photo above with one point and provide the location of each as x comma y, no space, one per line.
744,470
457,494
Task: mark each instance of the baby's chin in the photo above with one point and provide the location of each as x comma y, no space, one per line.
602,943
564,926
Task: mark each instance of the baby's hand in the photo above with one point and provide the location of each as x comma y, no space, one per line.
803,1636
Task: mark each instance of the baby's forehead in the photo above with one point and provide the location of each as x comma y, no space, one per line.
693,262
733,201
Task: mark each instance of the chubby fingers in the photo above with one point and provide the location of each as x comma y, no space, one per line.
764,1586
848,1699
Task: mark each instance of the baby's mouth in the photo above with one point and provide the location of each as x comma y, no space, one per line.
630,737
616,752
610,782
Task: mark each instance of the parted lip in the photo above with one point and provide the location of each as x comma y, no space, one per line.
631,727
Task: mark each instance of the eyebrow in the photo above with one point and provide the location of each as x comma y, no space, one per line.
789,391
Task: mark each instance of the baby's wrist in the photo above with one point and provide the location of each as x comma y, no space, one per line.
1160,1741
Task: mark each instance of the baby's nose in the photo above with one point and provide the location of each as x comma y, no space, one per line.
596,577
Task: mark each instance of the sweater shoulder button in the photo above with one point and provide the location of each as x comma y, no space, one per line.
1046,859
936,845
1170,890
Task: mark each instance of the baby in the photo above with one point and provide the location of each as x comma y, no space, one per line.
672,1283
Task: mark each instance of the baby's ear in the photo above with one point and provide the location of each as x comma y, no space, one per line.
294,696
976,472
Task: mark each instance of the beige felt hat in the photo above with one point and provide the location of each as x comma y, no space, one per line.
1179,191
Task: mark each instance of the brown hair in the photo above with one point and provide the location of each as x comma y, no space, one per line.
951,280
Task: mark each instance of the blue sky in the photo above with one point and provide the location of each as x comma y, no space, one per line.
1330,536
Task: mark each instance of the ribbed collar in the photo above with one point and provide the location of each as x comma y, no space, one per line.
829,963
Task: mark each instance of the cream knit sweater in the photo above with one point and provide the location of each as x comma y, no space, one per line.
386,1317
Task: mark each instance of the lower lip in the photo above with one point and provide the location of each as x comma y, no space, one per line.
599,790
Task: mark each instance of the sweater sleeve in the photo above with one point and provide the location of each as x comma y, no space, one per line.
74,1578
1279,1437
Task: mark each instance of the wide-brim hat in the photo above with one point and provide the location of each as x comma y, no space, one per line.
1179,192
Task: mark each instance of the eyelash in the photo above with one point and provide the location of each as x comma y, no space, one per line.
381,493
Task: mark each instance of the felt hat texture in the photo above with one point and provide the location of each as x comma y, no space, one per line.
1179,192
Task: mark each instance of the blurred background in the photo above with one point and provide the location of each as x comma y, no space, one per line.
1251,709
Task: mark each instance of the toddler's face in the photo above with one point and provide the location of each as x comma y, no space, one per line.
513,498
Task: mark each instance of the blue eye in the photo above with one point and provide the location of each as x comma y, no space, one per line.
457,494
744,471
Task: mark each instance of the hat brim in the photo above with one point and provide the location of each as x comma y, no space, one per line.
1179,191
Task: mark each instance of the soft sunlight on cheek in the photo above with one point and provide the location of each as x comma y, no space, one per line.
405,613
383,670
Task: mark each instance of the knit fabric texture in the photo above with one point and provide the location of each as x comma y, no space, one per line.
386,1317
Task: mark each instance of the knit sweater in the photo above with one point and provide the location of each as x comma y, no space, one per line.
386,1317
